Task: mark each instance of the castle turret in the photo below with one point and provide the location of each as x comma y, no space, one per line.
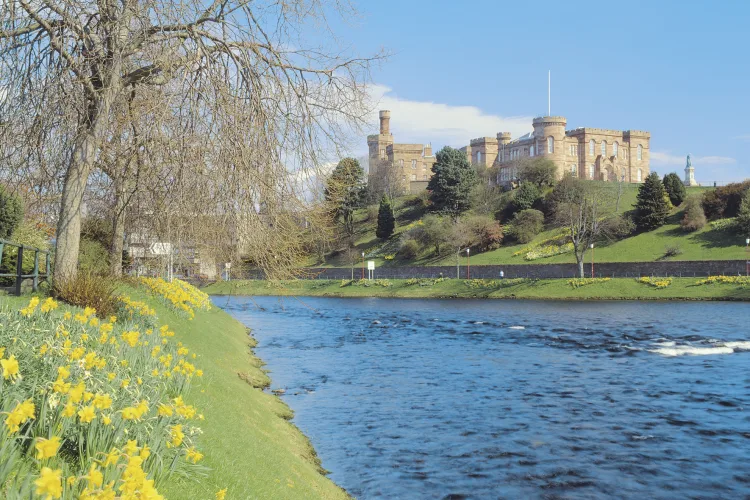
428,150
549,132
385,122
503,138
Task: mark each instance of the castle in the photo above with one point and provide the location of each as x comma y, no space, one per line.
588,153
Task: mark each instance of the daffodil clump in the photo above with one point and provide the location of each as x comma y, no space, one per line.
579,282
91,408
182,296
725,280
655,282
134,308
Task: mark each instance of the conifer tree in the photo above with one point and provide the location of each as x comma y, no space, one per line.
386,219
675,189
743,217
653,205
450,187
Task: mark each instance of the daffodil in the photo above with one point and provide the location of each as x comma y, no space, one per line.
221,494
19,415
47,448
10,368
49,484
86,414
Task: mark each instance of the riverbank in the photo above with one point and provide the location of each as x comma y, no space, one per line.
249,446
553,289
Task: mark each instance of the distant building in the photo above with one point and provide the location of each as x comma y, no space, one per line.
588,153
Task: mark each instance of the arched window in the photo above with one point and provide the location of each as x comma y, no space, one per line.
640,175
592,147
592,171
604,148
479,157
614,149
550,144
639,153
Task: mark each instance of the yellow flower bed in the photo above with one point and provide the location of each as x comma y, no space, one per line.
579,282
136,307
180,295
725,280
92,409
655,282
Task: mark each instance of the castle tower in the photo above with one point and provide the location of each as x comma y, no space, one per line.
549,132
689,173
378,144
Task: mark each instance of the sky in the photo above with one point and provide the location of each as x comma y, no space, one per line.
465,69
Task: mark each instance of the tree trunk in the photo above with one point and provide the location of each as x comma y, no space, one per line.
580,267
118,230
81,163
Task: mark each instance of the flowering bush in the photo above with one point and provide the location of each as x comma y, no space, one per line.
180,295
725,280
92,408
389,256
579,282
655,282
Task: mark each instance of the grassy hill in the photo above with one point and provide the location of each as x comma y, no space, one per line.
710,243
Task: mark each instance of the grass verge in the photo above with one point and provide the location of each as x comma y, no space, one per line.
614,289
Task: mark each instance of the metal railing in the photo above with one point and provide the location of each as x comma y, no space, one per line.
18,275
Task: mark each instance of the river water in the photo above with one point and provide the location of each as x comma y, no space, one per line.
515,399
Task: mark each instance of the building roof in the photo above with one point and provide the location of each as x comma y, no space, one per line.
524,137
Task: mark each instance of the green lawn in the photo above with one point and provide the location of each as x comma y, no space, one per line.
706,244
250,446
618,288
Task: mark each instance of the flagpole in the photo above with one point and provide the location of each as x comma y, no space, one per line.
549,93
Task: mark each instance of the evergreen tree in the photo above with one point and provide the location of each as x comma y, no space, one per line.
450,186
743,217
653,204
386,219
11,213
345,190
675,189
525,196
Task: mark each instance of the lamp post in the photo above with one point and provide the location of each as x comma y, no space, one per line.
468,265
747,257
592,259
363,265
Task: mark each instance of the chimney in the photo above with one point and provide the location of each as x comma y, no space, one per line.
385,122
428,149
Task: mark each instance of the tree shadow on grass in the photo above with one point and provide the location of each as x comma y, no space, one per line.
716,238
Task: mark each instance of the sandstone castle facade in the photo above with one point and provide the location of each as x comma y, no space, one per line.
588,153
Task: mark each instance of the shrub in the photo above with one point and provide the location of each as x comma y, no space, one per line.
672,250
409,249
434,231
724,201
386,219
675,189
93,258
372,213
88,290
11,213
542,172
487,231
527,224
694,218
525,196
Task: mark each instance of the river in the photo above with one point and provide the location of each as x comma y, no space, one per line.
514,399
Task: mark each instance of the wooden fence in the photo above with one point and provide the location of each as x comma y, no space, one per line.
18,275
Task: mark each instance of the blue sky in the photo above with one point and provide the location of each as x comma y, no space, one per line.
459,70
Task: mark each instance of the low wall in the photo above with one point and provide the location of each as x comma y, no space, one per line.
695,268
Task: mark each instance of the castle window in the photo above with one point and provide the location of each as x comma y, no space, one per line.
414,164
571,148
424,176
592,171
479,157
531,150
550,145
639,153
604,148
401,163
592,147
614,149
640,175
414,177
574,170
382,154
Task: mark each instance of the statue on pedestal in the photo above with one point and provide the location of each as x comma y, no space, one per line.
689,173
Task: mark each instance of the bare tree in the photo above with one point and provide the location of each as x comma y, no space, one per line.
207,58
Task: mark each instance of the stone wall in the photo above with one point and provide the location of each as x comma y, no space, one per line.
607,269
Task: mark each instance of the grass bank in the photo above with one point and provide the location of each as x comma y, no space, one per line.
611,289
250,447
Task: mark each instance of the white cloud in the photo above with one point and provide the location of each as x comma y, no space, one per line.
666,158
422,122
